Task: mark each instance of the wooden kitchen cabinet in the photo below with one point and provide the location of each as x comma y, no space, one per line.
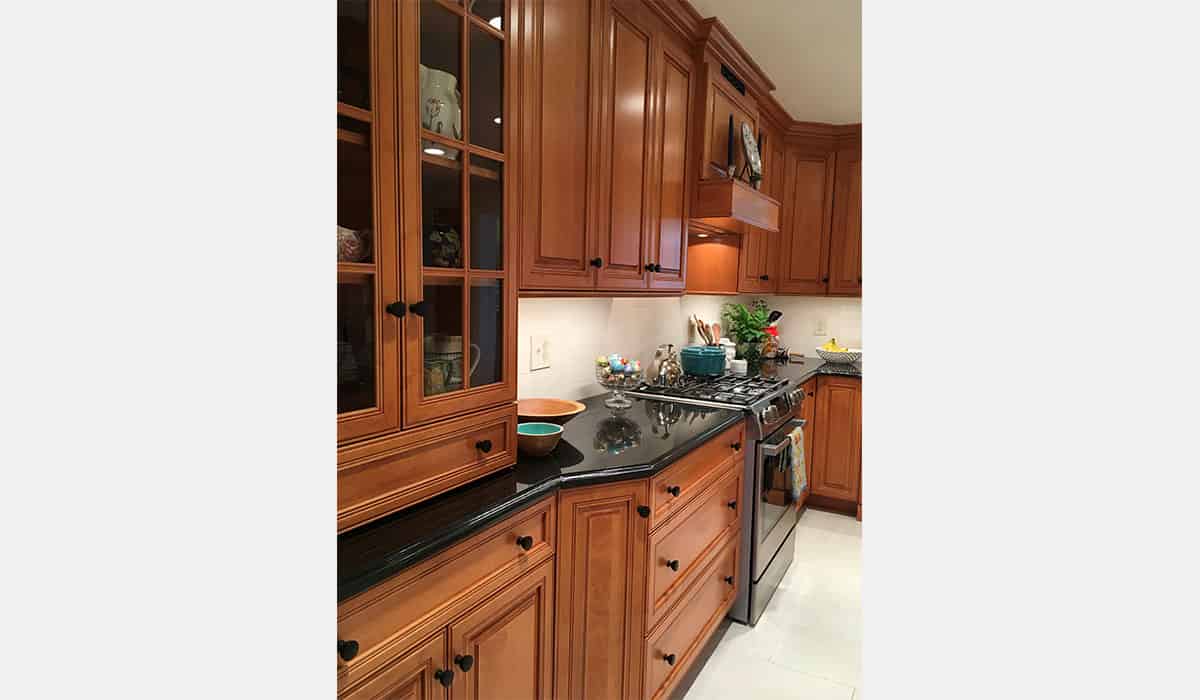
414,675
805,235
503,648
808,412
837,459
845,258
608,164
757,261
602,580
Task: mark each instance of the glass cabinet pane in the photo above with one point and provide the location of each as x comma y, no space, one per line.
441,96
487,331
356,342
490,11
354,192
354,53
442,344
441,206
487,214
487,90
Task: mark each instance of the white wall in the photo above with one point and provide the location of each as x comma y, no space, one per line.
580,329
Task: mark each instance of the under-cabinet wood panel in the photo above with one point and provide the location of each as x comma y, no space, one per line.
503,649
601,579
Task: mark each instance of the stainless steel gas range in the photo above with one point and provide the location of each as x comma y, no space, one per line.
771,405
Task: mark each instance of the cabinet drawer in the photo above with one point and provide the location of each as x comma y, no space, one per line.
388,618
679,549
691,474
385,475
689,625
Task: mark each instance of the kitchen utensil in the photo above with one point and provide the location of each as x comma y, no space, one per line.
774,316
538,439
701,330
703,360
716,333
617,383
669,370
557,411
841,358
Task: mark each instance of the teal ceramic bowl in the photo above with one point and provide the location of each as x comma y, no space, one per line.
538,439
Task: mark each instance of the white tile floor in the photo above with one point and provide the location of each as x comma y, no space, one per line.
808,644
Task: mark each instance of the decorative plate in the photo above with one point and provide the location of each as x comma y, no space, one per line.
750,146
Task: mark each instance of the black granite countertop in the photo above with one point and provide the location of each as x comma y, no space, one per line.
598,446
801,370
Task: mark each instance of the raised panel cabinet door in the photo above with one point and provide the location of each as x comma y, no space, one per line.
839,441
804,238
845,261
415,675
627,191
504,648
668,253
757,261
368,258
601,580
559,149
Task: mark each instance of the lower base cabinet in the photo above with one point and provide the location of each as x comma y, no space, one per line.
413,676
837,458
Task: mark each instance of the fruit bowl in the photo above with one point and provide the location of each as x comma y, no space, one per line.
617,383
841,358
548,410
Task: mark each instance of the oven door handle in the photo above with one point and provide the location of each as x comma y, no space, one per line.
774,450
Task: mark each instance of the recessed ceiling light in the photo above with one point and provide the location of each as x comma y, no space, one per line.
434,151
701,235
495,120
496,22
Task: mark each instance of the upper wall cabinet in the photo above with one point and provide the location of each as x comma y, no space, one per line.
607,144
845,259
368,258
808,204
456,201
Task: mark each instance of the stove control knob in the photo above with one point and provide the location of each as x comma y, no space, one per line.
770,414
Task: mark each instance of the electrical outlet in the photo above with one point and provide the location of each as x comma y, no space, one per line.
820,329
539,352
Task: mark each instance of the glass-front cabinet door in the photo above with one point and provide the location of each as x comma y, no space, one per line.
368,249
460,334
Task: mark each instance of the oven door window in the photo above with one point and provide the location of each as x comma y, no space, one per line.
776,505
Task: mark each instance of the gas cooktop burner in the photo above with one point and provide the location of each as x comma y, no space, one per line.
728,389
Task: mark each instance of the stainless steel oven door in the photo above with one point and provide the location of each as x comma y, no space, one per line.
775,514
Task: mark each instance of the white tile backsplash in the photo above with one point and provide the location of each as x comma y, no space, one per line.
582,328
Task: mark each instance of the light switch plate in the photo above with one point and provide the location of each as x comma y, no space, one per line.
820,329
539,352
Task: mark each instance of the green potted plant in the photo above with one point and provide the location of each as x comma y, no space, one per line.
748,330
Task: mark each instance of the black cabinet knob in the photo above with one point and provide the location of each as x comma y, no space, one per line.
484,445
644,511
465,661
669,658
673,564
736,446
860,280
526,542
729,580
445,677
596,262
347,649
824,279
810,393
657,267
673,490
396,308
732,505
649,267
764,278
420,308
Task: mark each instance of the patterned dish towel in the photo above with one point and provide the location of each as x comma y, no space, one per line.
799,477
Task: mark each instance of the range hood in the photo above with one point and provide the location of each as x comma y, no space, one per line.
730,204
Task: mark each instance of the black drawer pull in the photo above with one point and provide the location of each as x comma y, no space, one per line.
673,564
669,658
764,278
658,268
596,262
736,446
526,542
649,267
673,490
644,511
396,308
445,677
347,649
729,580
420,308
484,445
465,662
732,504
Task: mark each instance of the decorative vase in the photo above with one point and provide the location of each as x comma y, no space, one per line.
440,110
